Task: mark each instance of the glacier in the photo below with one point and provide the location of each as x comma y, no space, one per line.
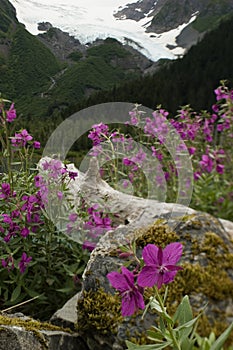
88,20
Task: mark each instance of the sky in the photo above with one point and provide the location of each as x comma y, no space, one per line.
91,19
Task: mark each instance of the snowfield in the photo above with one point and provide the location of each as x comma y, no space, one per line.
88,20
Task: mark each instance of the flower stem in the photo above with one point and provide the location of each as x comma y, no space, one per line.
170,329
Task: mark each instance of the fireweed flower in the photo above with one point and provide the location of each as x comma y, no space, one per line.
73,217
72,175
88,245
133,118
36,144
11,114
8,263
97,133
131,294
5,191
220,93
206,163
25,260
160,265
55,168
21,139
24,232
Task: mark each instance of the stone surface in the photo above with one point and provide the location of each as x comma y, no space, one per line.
18,338
67,315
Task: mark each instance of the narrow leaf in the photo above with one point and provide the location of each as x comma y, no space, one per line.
222,338
132,346
16,293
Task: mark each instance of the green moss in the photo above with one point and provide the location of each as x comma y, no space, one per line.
99,311
32,326
158,233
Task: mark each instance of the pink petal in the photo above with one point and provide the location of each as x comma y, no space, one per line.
148,277
128,305
129,276
140,300
118,281
172,253
169,277
150,254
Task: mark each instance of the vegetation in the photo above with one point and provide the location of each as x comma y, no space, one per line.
187,80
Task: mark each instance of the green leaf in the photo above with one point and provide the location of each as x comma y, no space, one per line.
162,326
16,293
132,346
222,338
187,344
184,311
154,304
187,324
154,335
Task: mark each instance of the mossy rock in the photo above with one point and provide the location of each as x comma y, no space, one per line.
19,332
207,277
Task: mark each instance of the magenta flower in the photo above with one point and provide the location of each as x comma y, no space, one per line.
191,150
25,260
160,265
89,246
206,163
5,191
8,263
59,195
72,175
131,294
11,114
20,140
73,217
127,161
133,119
220,168
36,144
24,232
97,133
220,93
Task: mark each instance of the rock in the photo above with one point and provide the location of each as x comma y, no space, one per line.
44,26
67,315
207,277
26,334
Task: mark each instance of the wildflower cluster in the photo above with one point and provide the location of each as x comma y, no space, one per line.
154,165
95,222
20,213
34,257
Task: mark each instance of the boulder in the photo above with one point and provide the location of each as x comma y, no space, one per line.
207,277
24,333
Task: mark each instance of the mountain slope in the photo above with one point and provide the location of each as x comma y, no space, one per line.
47,73
188,80
26,65
165,15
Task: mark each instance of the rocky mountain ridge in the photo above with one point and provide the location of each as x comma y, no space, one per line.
165,15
